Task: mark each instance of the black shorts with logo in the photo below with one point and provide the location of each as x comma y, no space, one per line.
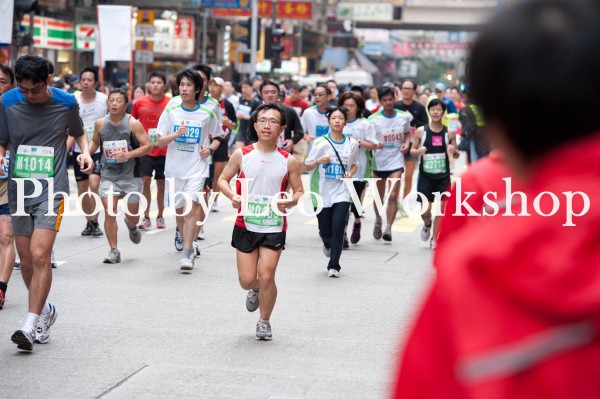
248,241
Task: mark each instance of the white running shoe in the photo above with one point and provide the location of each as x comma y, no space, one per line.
46,320
24,339
196,248
186,264
333,273
263,331
178,240
252,300
425,232
201,235
53,262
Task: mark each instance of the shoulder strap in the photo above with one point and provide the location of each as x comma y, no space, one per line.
336,154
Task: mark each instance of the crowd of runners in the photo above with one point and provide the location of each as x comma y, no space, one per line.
194,143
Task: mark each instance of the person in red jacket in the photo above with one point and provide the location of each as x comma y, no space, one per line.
514,310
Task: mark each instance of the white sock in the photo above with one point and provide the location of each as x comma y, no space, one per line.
31,322
46,309
388,226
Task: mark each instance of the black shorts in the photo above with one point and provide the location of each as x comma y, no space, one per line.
79,176
408,157
384,174
427,186
222,153
247,241
149,164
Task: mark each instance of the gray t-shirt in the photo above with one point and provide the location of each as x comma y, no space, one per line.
37,134
116,138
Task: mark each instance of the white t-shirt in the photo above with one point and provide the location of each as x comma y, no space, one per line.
91,112
235,101
314,123
391,131
361,129
183,154
325,180
209,103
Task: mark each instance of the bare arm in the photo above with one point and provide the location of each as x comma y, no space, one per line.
95,143
231,169
416,149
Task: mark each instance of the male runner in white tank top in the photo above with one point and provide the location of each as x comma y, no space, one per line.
259,233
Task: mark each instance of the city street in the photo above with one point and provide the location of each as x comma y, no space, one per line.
141,328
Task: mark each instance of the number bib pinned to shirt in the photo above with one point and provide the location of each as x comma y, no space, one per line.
434,163
260,213
153,136
322,131
112,148
193,135
334,170
34,162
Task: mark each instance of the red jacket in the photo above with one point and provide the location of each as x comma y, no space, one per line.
515,309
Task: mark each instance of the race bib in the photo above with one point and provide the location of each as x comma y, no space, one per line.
34,161
434,163
392,139
153,136
90,133
193,135
186,147
112,148
244,109
334,171
5,176
322,131
260,213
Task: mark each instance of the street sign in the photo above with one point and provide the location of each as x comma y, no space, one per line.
144,57
144,45
301,10
239,4
145,17
144,30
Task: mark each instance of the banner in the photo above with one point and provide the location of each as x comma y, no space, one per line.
6,21
301,10
114,33
50,33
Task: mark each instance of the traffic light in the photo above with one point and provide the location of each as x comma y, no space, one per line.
246,38
273,46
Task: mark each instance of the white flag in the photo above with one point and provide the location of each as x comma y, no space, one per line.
6,21
114,33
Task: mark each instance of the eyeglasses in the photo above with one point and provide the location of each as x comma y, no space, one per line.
272,122
407,88
36,90
320,94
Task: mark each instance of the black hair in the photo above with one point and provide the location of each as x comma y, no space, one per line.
358,99
8,72
385,91
268,83
252,135
92,70
323,86
123,92
295,86
192,75
357,89
436,101
157,74
32,67
50,68
138,87
208,71
531,54
332,81
414,84
341,109
246,82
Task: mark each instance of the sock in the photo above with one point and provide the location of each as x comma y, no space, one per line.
3,287
187,252
263,321
31,322
46,308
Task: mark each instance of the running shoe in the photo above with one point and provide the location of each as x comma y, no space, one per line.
18,264
24,339
146,223
114,256
53,262
252,300
377,228
346,244
333,273
96,231
215,207
326,251
196,248
387,234
263,331
88,231
355,236
46,320
425,232
2,298
432,244
160,223
178,240
201,235
135,235
186,264
403,213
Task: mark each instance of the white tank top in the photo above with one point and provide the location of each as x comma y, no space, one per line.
269,173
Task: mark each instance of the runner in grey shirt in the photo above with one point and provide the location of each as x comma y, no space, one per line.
36,119
118,135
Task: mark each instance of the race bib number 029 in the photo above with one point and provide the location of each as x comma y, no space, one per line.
191,137
34,162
